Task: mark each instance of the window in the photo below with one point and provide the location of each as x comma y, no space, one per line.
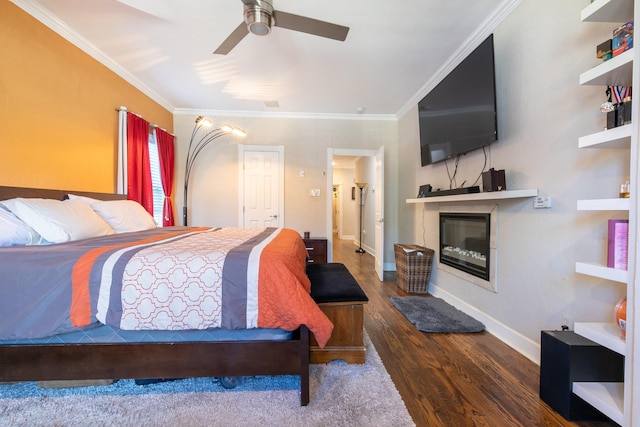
158,193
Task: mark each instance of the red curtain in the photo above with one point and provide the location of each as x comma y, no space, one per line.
139,186
164,141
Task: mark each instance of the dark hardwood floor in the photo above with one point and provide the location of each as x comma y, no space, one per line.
448,379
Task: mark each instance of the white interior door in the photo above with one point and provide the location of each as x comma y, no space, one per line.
379,215
262,204
337,209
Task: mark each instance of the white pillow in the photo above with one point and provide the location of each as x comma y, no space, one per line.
15,232
122,215
59,221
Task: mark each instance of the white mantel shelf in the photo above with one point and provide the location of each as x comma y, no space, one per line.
472,197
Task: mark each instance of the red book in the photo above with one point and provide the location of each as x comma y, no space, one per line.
618,243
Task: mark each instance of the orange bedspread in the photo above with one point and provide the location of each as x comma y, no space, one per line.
283,288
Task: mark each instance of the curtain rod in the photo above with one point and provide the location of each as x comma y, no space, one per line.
152,125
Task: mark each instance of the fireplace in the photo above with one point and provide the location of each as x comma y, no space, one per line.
465,242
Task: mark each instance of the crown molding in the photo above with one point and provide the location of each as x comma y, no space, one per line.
65,31
483,31
284,115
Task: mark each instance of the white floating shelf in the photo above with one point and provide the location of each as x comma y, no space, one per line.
471,197
618,71
608,11
602,272
606,334
607,398
618,137
618,204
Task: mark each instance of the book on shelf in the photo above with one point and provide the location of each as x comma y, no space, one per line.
618,242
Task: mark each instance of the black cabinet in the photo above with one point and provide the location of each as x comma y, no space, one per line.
567,357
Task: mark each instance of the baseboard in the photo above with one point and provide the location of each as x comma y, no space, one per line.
523,345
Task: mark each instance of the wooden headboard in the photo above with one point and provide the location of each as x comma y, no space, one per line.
31,193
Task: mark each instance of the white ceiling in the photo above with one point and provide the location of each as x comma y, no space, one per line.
390,57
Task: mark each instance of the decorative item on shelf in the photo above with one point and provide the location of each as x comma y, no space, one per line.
618,106
622,38
494,180
197,145
361,186
624,189
620,316
620,95
604,51
626,109
617,244
609,109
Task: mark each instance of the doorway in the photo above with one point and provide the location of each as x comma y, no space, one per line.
373,216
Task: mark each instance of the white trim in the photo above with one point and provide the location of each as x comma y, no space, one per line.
45,16
523,345
285,115
477,36
121,179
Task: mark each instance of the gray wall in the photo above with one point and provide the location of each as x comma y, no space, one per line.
540,50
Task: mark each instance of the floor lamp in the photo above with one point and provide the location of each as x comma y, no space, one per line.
361,186
197,145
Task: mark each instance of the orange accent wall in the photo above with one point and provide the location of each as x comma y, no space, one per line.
58,119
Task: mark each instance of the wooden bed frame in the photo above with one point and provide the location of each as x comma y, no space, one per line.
48,362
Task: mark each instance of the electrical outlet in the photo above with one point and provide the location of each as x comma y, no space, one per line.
540,202
567,321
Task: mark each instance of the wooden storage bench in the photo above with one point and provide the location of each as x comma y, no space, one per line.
340,297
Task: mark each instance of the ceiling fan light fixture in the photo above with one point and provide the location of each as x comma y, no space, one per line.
258,21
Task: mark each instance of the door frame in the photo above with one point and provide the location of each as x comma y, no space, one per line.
331,152
242,148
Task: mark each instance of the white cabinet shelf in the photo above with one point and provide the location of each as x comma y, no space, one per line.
618,71
618,204
604,333
618,137
607,398
608,11
602,272
472,197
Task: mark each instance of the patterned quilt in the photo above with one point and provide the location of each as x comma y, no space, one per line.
177,278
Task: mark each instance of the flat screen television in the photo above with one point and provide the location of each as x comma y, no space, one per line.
459,114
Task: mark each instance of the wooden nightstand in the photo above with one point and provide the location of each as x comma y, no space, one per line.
317,250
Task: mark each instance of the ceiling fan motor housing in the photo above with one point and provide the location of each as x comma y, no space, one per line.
259,17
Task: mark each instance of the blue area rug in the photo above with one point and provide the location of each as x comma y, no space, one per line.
431,314
341,395
130,388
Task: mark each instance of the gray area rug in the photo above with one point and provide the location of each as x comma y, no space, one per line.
341,395
431,314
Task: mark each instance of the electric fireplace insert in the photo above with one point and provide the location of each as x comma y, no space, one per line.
464,242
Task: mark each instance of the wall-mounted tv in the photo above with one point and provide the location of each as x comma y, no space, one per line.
459,114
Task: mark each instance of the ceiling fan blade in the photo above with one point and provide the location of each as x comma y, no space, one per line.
234,38
310,26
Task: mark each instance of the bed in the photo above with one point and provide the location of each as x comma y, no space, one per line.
269,335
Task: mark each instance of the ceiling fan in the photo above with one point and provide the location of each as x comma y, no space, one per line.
260,16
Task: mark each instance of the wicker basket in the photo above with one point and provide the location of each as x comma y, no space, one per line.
413,265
